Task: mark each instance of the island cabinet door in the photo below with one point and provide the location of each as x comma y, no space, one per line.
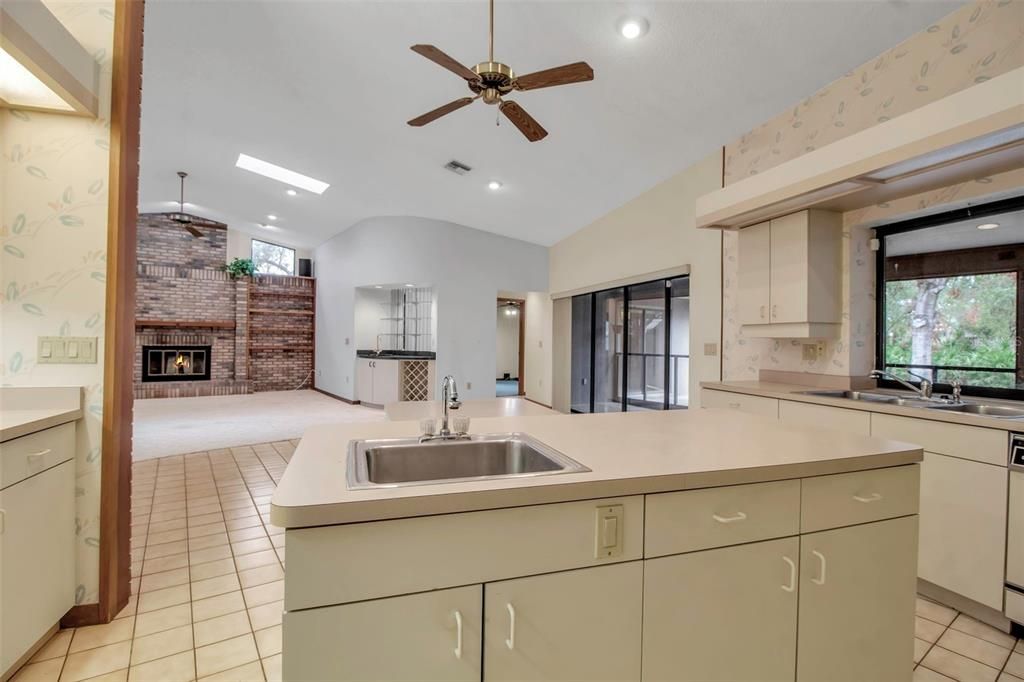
723,615
857,589
575,625
364,380
429,636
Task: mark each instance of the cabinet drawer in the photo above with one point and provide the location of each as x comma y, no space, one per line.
967,442
28,455
825,417
1015,606
339,564
752,404
858,497
715,517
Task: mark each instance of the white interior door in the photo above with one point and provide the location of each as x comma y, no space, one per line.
575,625
857,591
722,615
428,636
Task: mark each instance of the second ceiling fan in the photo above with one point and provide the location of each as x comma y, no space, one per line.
491,81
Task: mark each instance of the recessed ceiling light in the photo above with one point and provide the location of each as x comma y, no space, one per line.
988,226
268,227
271,216
493,185
291,192
632,28
274,172
377,286
410,285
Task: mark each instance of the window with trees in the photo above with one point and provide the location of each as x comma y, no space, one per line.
950,297
272,259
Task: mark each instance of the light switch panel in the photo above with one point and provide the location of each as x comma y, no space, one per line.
608,531
67,350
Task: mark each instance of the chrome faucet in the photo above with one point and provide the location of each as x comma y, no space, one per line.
449,401
925,390
957,392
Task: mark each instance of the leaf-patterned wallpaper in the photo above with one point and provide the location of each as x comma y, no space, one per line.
53,231
973,44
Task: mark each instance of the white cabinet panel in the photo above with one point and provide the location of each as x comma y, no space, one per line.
751,404
429,636
723,615
825,417
386,381
967,442
858,497
37,562
963,527
789,269
1015,538
857,591
575,625
755,266
364,380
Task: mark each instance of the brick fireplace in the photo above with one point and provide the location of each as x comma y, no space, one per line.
186,302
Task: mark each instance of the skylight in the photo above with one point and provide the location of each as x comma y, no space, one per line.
275,172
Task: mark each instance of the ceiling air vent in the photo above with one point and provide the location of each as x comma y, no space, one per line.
457,167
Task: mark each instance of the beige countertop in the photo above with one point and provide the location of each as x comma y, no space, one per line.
25,410
628,454
793,392
414,410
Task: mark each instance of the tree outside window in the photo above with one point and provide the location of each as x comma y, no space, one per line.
271,259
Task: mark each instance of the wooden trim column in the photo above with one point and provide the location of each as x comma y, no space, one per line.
116,470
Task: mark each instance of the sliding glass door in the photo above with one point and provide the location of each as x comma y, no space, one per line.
630,348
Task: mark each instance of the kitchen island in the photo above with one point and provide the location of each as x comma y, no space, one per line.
687,531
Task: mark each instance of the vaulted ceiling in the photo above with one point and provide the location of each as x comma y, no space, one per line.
325,88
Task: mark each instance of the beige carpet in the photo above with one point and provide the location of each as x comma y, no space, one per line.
172,426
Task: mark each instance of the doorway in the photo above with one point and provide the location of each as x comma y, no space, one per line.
509,350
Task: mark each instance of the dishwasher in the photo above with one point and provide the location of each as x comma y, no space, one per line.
1014,603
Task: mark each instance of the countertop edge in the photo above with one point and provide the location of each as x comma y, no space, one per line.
310,516
57,418
792,393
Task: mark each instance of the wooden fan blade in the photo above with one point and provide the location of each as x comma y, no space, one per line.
522,120
440,111
435,55
560,75
194,232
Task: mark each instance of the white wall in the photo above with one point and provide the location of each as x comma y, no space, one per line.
466,267
537,347
654,232
507,351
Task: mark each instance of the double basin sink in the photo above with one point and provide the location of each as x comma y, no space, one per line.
997,411
398,462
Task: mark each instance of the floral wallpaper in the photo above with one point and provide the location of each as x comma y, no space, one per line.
973,44
53,232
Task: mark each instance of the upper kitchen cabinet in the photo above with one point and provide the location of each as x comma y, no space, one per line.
790,276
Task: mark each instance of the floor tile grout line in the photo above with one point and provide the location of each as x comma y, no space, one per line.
188,567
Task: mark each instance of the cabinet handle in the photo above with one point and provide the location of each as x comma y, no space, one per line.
36,456
792,575
458,635
3,521
820,580
511,641
775,311
734,406
738,516
762,312
873,497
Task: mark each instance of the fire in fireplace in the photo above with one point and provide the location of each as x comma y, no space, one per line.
175,363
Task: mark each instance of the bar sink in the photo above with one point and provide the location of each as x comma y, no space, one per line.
397,462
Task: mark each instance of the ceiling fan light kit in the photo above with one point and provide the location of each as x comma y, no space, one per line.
491,81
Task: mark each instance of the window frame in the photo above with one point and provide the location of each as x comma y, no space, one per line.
978,257
295,256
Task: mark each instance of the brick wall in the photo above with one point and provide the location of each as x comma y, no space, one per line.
181,279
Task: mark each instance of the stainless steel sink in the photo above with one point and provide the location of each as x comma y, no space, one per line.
398,462
864,397
986,410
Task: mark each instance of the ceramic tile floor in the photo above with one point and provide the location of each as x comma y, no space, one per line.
207,588
207,578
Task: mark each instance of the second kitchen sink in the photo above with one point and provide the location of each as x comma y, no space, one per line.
986,410
997,411
406,461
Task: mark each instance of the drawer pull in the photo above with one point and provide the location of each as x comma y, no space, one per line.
820,580
792,575
734,406
873,497
738,516
3,521
458,635
36,456
511,641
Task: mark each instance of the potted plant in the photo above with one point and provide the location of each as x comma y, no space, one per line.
240,267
